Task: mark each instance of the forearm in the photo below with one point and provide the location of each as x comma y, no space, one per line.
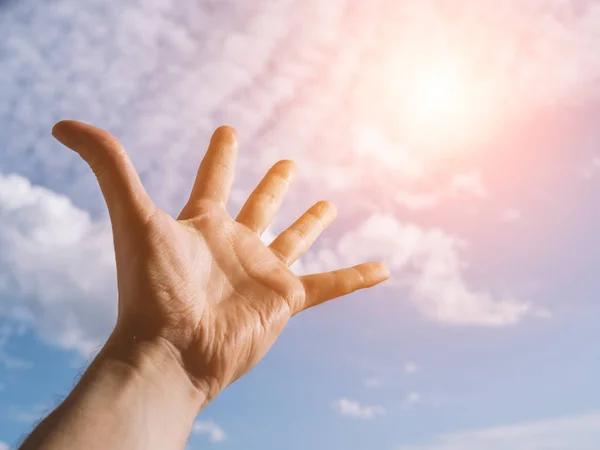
134,395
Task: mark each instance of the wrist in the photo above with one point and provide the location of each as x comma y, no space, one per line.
135,395
155,364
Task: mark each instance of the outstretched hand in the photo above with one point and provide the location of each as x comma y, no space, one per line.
205,285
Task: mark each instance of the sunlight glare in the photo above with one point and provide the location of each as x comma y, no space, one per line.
442,107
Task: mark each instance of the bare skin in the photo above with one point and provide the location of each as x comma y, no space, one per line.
201,298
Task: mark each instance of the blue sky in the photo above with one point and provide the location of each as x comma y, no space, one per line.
459,141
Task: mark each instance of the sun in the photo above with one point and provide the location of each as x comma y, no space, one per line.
436,97
442,106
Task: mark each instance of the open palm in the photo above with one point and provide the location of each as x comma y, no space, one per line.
206,284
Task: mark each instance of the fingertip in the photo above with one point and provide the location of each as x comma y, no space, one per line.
287,165
225,134
382,271
375,272
327,209
286,168
64,132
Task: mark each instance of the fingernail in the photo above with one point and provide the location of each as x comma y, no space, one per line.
383,270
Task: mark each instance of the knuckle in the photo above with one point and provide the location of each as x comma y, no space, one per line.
282,256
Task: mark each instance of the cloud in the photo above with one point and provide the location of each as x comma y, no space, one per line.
411,367
57,266
8,361
355,410
164,75
571,433
58,270
510,215
411,399
468,182
459,184
161,76
590,169
427,260
418,200
215,432
30,415
372,382
4,446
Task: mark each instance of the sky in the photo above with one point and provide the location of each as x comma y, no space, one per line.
459,141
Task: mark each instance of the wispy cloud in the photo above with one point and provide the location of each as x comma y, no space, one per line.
459,184
215,432
372,382
55,255
468,182
10,362
27,415
590,168
411,399
510,215
165,75
174,76
572,433
430,260
355,410
411,367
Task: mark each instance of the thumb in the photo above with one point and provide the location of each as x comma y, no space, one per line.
123,191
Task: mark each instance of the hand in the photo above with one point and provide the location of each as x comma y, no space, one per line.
205,285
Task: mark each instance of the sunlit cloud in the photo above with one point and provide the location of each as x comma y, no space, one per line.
429,261
57,264
579,432
511,215
372,382
411,367
355,410
411,399
215,432
29,415
372,107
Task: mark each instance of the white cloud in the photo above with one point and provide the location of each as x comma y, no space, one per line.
57,266
411,399
418,200
468,182
429,262
372,382
10,362
174,75
215,432
590,169
355,410
411,367
510,215
4,446
572,433
460,183
163,83
30,415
